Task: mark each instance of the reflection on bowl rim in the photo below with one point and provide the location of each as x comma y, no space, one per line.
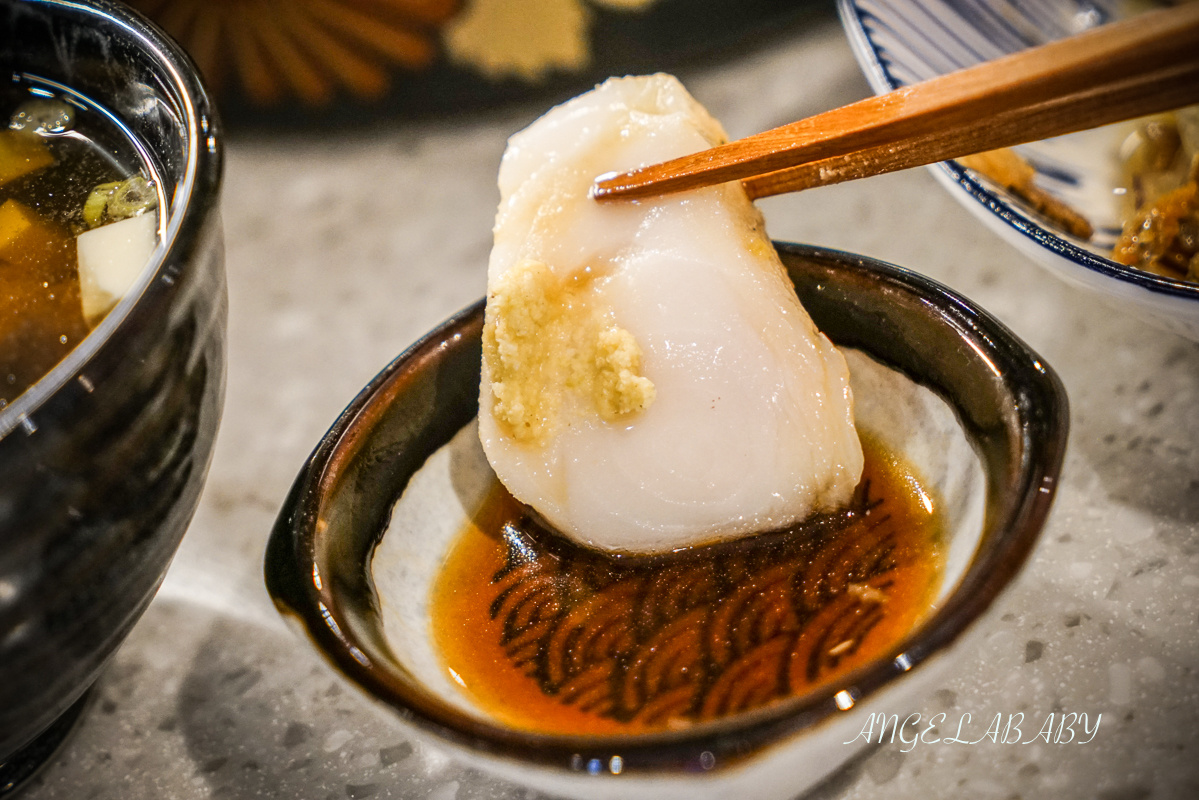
308,595
882,81
201,176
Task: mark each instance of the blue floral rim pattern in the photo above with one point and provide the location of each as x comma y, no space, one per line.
899,42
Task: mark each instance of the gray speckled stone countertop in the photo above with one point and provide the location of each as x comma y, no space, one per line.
344,250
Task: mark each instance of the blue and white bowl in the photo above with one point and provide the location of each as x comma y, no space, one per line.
899,42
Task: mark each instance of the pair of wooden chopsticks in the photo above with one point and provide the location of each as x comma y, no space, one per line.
1144,65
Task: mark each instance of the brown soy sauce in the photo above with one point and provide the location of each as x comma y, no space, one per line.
551,637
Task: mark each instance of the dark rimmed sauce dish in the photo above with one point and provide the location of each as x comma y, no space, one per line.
356,579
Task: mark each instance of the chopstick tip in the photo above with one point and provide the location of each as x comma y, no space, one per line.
599,189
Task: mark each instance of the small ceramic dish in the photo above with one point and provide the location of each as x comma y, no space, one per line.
367,524
900,42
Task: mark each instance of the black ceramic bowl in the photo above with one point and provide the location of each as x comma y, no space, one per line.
1005,407
102,460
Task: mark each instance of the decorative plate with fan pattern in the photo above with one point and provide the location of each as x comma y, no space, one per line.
345,62
899,42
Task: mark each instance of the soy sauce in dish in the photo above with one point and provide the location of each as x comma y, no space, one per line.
550,637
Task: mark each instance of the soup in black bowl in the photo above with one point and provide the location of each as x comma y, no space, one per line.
103,455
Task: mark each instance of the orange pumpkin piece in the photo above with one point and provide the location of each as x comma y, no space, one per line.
41,317
20,154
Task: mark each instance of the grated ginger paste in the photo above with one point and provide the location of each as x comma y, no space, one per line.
544,342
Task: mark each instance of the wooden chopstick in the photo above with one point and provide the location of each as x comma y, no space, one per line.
1119,71
1145,94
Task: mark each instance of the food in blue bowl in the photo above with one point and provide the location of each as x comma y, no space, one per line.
899,42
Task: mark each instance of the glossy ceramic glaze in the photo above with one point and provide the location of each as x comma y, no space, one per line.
101,462
1009,406
899,42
